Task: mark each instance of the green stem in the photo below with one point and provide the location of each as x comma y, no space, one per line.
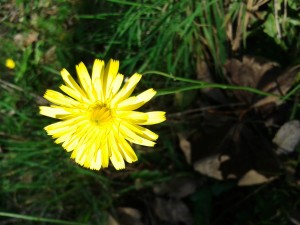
202,84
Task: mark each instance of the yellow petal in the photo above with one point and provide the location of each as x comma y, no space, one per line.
60,132
78,154
60,124
63,138
133,137
154,118
142,131
117,84
97,77
136,102
60,99
135,117
90,151
105,155
110,73
116,157
71,144
74,94
71,83
53,112
97,161
126,149
85,80
127,89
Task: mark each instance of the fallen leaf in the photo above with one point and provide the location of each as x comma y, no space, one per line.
251,149
230,149
178,187
287,137
278,83
252,177
129,216
203,74
173,211
50,55
246,14
23,40
111,220
185,146
295,217
249,72
209,166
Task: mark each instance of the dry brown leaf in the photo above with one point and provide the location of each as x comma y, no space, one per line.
287,137
185,146
249,72
129,216
50,55
173,211
252,177
247,12
203,74
263,75
267,100
210,166
280,86
233,150
178,188
111,220
24,40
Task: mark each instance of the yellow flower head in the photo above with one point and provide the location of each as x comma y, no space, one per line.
10,63
98,116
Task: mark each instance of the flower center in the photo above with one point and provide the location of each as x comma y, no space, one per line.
100,114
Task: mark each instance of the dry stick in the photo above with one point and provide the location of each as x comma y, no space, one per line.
276,19
284,15
205,108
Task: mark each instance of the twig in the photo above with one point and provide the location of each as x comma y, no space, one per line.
179,114
276,19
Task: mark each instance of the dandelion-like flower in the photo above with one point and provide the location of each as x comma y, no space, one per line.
99,118
10,63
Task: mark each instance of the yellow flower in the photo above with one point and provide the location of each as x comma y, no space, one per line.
10,63
98,118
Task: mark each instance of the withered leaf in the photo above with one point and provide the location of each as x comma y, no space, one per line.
178,188
173,211
210,166
287,137
252,177
263,75
129,216
50,55
280,85
111,220
250,150
185,146
235,149
248,72
25,39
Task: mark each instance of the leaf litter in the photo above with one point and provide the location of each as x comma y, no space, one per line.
236,142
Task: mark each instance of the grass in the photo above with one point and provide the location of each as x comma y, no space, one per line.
166,41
